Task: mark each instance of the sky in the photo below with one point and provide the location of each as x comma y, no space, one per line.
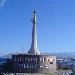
55,25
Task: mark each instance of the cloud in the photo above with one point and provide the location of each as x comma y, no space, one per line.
2,2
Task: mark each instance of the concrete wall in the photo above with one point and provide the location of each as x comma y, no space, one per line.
33,63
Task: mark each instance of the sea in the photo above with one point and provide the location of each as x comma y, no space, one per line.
3,60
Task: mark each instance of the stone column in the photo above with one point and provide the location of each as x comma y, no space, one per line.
33,49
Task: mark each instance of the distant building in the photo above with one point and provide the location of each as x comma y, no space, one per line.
33,62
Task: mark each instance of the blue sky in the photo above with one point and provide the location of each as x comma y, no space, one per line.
55,25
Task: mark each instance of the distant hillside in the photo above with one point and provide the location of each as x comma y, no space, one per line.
58,55
7,56
64,54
